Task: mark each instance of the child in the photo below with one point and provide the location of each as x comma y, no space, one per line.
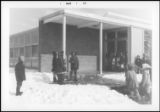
145,85
138,63
20,74
60,68
113,63
122,62
74,65
132,83
54,65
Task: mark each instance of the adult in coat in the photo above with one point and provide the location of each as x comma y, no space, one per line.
74,65
20,75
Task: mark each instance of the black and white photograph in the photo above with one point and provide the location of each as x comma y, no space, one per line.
80,55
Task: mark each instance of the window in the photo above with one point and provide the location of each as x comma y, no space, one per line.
111,36
35,37
27,39
11,42
34,50
21,51
28,51
111,47
15,52
122,34
11,52
22,40
16,41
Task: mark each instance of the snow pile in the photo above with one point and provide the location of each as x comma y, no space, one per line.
38,90
121,77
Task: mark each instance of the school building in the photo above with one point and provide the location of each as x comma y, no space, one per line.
94,37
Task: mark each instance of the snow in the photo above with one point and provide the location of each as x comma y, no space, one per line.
38,90
121,76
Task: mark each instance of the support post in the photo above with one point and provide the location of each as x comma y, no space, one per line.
64,37
100,47
41,22
115,47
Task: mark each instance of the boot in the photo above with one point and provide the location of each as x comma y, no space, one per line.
19,93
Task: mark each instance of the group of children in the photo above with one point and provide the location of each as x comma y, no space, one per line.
138,91
59,67
118,62
140,61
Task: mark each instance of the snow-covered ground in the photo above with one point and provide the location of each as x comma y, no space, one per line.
38,90
120,76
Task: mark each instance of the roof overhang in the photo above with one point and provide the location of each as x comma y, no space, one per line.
81,19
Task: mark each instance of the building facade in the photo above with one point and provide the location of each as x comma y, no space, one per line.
94,38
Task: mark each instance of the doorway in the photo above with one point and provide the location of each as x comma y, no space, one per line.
115,45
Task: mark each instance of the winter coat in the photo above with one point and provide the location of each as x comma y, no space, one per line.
54,64
138,62
60,65
74,63
20,71
145,83
131,80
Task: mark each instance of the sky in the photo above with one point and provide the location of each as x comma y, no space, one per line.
22,19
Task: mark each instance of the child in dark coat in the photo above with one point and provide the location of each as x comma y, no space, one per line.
54,64
138,63
60,68
20,75
74,66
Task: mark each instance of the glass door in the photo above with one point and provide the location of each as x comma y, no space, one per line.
116,43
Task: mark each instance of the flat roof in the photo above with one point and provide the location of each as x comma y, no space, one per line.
82,19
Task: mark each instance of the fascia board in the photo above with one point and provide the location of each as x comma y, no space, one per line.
57,13
96,18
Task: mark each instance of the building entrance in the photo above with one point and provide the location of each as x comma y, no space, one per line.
115,50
